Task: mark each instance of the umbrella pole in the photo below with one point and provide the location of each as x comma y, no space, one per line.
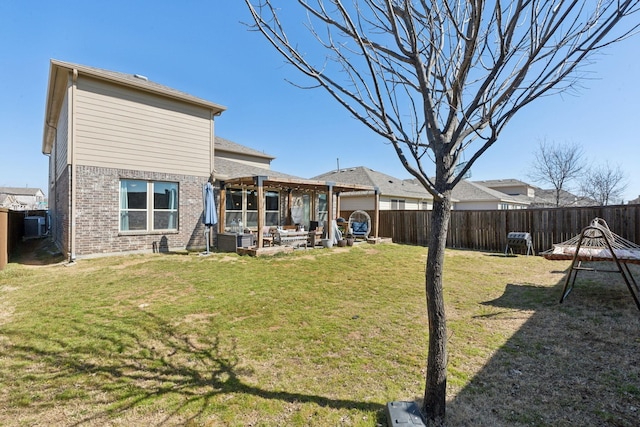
206,237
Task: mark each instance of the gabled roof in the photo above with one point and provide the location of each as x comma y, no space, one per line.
58,77
20,191
222,144
387,185
237,173
497,183
467,191
226,169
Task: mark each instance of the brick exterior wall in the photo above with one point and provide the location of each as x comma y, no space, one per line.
97,213
60,212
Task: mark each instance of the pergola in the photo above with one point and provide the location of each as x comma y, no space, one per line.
260,182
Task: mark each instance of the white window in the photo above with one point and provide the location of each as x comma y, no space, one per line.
272,205
242,207
397,204
148,205
323,212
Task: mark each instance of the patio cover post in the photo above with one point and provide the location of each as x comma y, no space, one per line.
330,234
259,183
289,220
376,215
313,211
222,220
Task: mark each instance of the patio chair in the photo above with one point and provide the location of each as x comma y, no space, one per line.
359,224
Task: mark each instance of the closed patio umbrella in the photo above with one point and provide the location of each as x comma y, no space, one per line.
210,216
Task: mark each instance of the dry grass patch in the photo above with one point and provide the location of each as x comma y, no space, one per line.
317,337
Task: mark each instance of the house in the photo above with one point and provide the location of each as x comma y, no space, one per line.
229,150
512,187
469,195
395,193
536,197
547,199
128,159
409,194
22,198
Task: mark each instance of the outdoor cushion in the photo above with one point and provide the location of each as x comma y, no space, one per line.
359,227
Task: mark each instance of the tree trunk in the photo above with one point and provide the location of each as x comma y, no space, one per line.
436,379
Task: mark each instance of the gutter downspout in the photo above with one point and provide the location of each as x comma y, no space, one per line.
74,183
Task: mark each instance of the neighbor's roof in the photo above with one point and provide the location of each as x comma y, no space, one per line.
222,144
58,78
20,191
236,173
468,191
387,185
547,198
498,183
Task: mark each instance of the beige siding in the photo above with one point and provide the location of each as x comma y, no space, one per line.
259,162
353,203
118,127
60,148
409,204
384,205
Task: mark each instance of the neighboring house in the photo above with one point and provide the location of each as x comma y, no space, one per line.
408,194
395,194
22,198
470,195
537,197
128,159
512,187
547,199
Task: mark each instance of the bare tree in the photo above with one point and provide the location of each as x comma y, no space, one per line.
605,184
558,165
436,79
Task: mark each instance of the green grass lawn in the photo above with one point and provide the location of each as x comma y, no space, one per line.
322,337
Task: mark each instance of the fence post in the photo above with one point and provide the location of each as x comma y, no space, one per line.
4,237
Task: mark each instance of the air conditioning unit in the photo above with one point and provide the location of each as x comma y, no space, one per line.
34,226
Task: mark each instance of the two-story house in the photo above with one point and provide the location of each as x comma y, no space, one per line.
127,161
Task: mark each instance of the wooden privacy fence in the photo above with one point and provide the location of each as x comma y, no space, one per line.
487,229
11,231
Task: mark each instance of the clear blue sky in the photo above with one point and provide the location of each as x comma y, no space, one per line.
201,47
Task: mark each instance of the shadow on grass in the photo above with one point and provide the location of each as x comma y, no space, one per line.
576,363
43,251
131,366
40,251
